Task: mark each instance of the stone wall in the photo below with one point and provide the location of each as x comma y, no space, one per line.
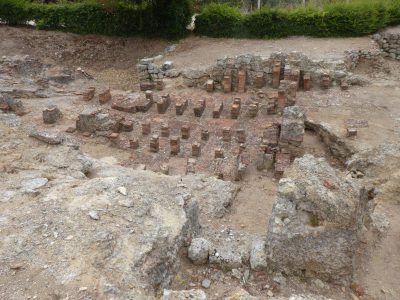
258,71
389,42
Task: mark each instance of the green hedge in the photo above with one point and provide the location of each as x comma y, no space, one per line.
95,18
357,18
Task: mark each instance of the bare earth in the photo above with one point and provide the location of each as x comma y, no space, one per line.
111,61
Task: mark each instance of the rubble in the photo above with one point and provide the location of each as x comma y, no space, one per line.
7,103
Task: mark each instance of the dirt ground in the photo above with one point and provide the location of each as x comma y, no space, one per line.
111,61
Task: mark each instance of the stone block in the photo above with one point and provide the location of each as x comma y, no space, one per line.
52,114
292,128
351,132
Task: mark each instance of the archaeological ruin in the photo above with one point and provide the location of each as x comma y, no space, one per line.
269,175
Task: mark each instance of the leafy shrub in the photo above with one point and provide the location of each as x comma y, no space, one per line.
14,12
219,20
357,18
155,18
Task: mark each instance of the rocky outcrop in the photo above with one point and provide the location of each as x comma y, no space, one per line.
316,222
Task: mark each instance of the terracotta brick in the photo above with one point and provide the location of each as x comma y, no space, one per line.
105,96
307,82
260,80
146,128
147,86
180,106
88,94
160,85
164,130
241,81
199,108
282,161
218,107
210,86
163,104
154,143
126,126
134,143
241,136
226,134
174,145
205,134
185,132
276,75
218,153
196,150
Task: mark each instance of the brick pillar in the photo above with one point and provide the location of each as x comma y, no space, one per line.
226,134
210,86
241,136
227,81
218,107
218,153
185,132
154,143
163,104
160,85
134,143
241,81
199,108
205,135
326,81
146,128
175,145
235,108
260,80
164,130
281,99
104,96
149,95
307,82
253,110
196,149
180,106
276,75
